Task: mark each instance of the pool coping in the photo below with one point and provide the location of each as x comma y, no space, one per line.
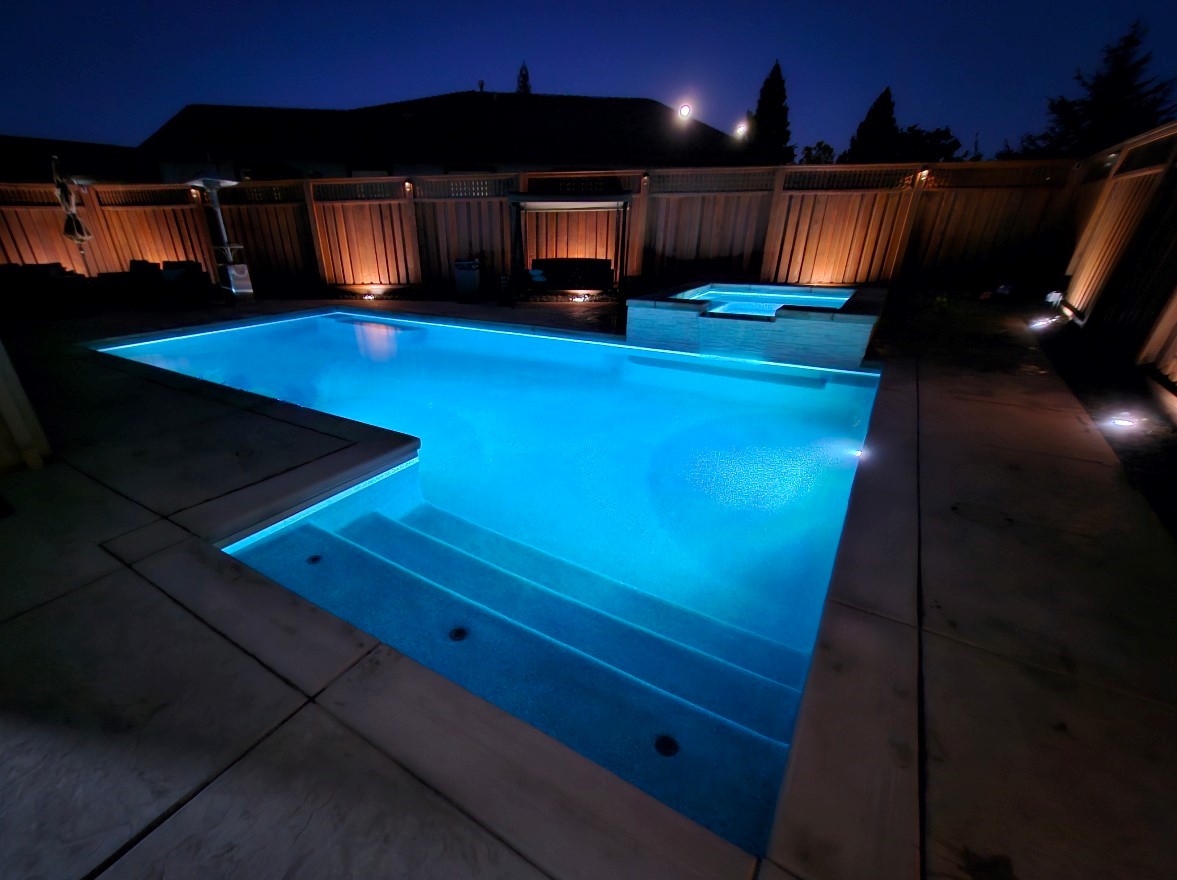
848,800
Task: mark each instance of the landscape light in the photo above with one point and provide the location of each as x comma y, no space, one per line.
742,130
684,111
1043,323
1123,421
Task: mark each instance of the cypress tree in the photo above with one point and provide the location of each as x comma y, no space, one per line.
769,133
877,136
523,81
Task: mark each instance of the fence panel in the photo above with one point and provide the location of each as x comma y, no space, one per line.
1107,236
980,229
835,238
367,243
460,229
714,231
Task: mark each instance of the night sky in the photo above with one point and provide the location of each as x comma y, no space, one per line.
114,72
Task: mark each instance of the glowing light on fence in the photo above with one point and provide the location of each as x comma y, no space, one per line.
684,112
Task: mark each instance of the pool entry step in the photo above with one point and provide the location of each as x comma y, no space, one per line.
688,708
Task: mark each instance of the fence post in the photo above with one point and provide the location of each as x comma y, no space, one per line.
774,230
313,222
910,211
411,247
636,232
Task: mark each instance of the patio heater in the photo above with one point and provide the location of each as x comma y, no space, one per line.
232,275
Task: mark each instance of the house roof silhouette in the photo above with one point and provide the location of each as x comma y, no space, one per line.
461,131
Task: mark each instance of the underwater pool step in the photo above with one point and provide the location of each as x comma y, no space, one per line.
718,773
740,647
760,704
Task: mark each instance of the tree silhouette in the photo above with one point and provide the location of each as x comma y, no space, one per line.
1118,101
880,139
928,145
768,131
877,136
523,81
820,153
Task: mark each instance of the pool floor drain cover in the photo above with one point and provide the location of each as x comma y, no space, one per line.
314,560
667,746
458,633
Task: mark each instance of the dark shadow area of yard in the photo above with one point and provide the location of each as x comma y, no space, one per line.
1106,383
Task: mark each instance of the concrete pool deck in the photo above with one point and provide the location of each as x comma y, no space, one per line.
166,712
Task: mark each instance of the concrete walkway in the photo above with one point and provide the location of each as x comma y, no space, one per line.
166,713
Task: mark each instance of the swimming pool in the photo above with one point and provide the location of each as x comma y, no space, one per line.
627,548
765,299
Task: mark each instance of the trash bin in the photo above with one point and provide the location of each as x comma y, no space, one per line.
467,276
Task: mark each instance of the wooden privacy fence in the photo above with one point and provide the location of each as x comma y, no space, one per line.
153,223
796,224
1124,267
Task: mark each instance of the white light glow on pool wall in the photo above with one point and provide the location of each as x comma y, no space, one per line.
248,540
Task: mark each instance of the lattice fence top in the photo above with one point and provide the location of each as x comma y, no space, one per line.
262,194
1148,155
22,196
969,174
359,190
832,177
144,196
758,180
465,187
585,184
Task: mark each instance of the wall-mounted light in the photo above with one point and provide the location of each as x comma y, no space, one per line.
645,181
408,188
923,175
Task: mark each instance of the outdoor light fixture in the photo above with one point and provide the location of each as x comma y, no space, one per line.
1043,323
742,130
924,174
684,111
1122,422
408,187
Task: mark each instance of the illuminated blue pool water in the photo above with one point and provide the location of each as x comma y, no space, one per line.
765,299
627,548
